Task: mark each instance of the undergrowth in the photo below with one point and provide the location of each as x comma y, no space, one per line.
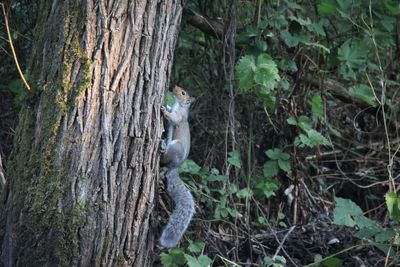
294,160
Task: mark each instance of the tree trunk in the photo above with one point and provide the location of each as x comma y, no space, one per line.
84,167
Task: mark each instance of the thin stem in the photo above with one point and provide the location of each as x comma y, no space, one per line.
13,49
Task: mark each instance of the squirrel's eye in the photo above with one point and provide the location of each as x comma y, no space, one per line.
183,93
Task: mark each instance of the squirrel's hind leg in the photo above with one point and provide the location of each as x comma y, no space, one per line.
174,154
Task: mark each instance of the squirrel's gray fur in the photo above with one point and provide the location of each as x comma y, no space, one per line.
176,152
183,211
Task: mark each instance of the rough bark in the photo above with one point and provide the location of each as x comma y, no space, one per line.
84,168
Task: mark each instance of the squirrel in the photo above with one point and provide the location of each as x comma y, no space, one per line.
176,152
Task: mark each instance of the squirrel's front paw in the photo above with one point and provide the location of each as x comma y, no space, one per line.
163,146
163,109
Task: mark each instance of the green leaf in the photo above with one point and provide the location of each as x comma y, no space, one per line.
205,261
320,46
284,84
393,205
344,5
293,5
388,22
232,188
196,246
345,211
367,232
215,178
301,21
288,65
284,165
316,138
385,235
266,72
234,158
364,222
305,123
175,257
261,45
190,166
327,8
291,121
273,153
334,131
233,213
351,53
244,193
245,72
268,188
347,72
364,93
332,262
197,262
270,168
268,261
268,100
317,107
392,6
289,39
170,99
251,32
261,220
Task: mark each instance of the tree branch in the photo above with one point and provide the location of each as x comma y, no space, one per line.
336,89
209,27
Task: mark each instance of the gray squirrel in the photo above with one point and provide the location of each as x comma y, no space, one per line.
176,152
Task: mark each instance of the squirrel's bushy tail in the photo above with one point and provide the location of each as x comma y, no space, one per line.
183,212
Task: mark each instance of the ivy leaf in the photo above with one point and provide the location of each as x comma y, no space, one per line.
245,72
234,158
345,211
270,168
364,93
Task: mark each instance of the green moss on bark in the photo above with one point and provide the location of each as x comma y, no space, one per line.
46,227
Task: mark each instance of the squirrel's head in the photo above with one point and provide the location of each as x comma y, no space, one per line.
182,96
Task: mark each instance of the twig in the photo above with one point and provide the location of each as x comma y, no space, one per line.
13,49
283,241
2,176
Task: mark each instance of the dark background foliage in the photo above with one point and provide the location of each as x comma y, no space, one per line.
297,107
